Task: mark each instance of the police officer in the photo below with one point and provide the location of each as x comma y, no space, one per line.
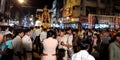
17,45
27,45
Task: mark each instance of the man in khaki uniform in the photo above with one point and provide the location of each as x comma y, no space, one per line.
17,45
27,44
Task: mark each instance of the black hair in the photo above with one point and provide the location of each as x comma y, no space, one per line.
50,33
69,28
62,30
84,45
98,37
118,34
11,29
27,30
10,36
17,31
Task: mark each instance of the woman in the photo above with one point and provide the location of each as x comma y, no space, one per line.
50,44
96,46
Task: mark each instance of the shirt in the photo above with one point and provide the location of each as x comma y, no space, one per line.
17,44
43,35
82,55
27,43
64,40
69,39
50,45
7,44
114,51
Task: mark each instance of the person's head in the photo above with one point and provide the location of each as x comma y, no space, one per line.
62,32
27,32
1,38
9,36
44,29
69,30
96,36
118,37
90,32
4,38
84,46
20,32
50,33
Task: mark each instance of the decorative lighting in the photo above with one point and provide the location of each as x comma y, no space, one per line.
72,19
21,1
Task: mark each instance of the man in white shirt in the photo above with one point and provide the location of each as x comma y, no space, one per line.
38,31
83,53
27,44
43,34
69,36
62,39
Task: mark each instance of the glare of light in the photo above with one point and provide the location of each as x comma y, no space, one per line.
72,19
30,19
67,18
21,1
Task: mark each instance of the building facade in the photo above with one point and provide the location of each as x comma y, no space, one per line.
78,10
85,7
11,10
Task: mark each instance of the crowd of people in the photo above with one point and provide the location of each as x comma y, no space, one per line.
41,43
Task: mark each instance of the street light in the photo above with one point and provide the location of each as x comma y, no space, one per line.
21,1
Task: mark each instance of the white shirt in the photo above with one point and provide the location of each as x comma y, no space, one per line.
43,35
50,45
69,39
64,40
27,43
37,32
82,55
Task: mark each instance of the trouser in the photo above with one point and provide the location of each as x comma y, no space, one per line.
17,57
28,56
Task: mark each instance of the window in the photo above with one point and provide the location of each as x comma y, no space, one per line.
91,10
102,11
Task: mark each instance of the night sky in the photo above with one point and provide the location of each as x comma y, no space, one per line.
36,4
41,3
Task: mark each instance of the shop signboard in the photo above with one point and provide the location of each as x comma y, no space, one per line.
101,20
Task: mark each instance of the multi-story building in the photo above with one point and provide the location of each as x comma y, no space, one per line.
81,8
85,7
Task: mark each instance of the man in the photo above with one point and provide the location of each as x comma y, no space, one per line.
38,31
114,53
27,45
17,45
83,53
43,34
62,39
49,45
69,37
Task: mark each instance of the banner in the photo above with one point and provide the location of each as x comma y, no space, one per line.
101,19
